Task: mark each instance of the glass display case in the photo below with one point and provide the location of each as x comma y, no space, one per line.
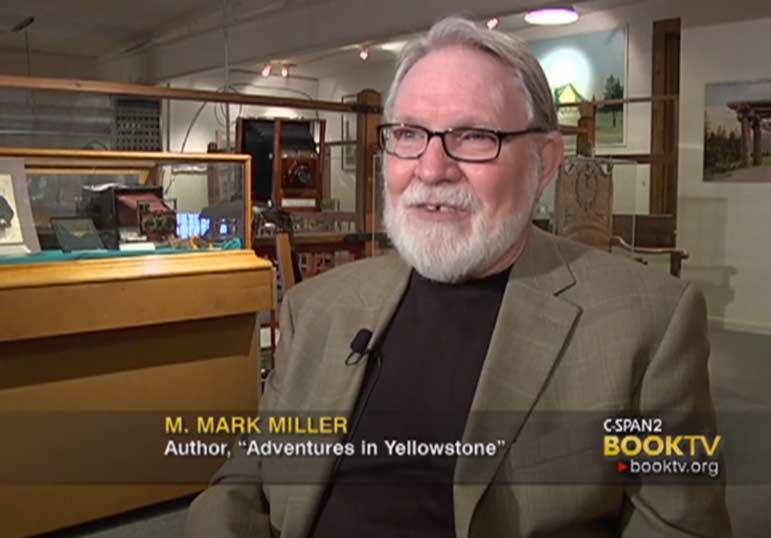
128,285
75,204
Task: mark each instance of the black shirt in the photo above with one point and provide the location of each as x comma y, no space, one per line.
430,359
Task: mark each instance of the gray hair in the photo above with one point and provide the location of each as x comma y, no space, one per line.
510,51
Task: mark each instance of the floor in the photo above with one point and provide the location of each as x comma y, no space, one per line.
740,369
162,521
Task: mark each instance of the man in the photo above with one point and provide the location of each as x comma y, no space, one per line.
481,326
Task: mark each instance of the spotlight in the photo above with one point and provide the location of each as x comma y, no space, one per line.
493,23
267,70
284,71
364,54
552,16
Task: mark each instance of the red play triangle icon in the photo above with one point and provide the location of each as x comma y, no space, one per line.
621,467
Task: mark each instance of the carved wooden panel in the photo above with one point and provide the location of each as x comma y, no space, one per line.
584,202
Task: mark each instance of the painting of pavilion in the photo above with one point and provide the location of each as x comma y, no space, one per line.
737,131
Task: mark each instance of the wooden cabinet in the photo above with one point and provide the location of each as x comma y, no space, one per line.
166,334
139,336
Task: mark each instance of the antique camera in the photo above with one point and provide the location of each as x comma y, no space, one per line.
292,143
299,171
157,224
125,214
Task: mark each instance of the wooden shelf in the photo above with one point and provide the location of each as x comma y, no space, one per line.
130,268
58,298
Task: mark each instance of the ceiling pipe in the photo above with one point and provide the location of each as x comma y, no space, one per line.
23,25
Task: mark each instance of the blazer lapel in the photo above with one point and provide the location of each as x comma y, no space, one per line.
380,295
339,387
529,334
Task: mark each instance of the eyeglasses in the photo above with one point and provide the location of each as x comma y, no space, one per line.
467,144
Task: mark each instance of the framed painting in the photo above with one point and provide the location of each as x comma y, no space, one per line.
737,131
348,137
588,67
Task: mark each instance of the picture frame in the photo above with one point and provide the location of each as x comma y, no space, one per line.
591,66
17,233
348,137
737,132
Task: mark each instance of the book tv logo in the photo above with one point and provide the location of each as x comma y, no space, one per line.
692,446
640,447
664,454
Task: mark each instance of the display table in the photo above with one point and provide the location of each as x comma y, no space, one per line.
148,333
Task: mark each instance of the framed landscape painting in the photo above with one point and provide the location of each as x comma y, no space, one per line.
588,67
737,131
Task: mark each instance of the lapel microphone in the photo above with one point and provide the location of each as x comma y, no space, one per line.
358,347
358,352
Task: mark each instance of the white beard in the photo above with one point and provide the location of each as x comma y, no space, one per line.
449,252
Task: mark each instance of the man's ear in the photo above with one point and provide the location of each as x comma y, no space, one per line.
552,151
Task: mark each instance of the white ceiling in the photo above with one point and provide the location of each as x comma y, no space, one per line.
94,27
99,28
329,63
344,59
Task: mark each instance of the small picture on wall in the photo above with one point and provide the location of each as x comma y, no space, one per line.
737,131
348,134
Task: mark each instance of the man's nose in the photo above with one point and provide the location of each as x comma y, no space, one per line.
435,165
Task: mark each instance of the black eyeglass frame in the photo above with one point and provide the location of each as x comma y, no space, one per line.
501,135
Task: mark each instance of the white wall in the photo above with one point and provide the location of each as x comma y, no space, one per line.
211,119
131,68
375,76
14,62
209,126
723,226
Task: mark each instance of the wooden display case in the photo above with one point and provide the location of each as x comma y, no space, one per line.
153,333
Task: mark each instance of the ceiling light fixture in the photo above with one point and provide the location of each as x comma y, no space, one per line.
493,23
267,70
552,16
364,54
284,71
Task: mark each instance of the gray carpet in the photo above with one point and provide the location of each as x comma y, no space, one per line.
162,521
740,370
